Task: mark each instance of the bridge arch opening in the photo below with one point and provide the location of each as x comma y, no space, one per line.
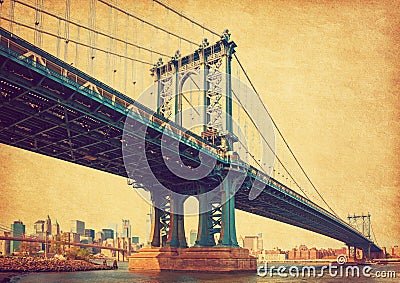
191,219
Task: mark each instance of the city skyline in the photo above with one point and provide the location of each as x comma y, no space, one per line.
320,87
30,228
254,243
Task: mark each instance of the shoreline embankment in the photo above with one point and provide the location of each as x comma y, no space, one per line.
13,266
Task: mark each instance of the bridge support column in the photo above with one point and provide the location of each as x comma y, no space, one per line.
228,226
204,236
155,239
355,253
176,236
366,252
369,252
159,201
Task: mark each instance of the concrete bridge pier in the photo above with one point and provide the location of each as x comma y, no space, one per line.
206,255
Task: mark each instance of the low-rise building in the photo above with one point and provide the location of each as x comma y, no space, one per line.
396,252
5,244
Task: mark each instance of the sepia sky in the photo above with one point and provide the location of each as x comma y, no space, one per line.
328,72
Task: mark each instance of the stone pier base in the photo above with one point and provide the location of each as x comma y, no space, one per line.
216,259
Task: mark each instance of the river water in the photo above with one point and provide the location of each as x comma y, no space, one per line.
124,275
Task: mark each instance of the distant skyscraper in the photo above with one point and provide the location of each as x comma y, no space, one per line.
253,243
192,237
148,227
5,245
108,234
89,233
48,226
77,227
18,230
126,229
99,236
38,226
55,229
135,240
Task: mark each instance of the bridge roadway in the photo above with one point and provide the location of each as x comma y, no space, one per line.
52,108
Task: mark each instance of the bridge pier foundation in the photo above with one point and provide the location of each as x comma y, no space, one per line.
226,256
217,210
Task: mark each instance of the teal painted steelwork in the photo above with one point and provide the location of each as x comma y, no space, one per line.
228,224
29,63
176,236
108,102
205,235
230,49
178,97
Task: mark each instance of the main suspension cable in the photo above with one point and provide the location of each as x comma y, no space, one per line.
254,89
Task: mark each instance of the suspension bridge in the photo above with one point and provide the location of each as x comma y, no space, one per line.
194,115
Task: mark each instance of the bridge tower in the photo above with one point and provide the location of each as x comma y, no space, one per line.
210,68
365,230
213,64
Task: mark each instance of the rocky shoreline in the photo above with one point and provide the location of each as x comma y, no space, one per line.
33,264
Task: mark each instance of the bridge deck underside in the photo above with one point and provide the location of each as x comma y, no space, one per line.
42,115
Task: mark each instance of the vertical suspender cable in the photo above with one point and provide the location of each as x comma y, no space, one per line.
1,11
108,63
41,22
92,35
76,47
36,24
133,79
142,74
126,55
66,29
58,37
135,39
114,34
168,40
88,60
125,67
238,106
95,33
12,8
